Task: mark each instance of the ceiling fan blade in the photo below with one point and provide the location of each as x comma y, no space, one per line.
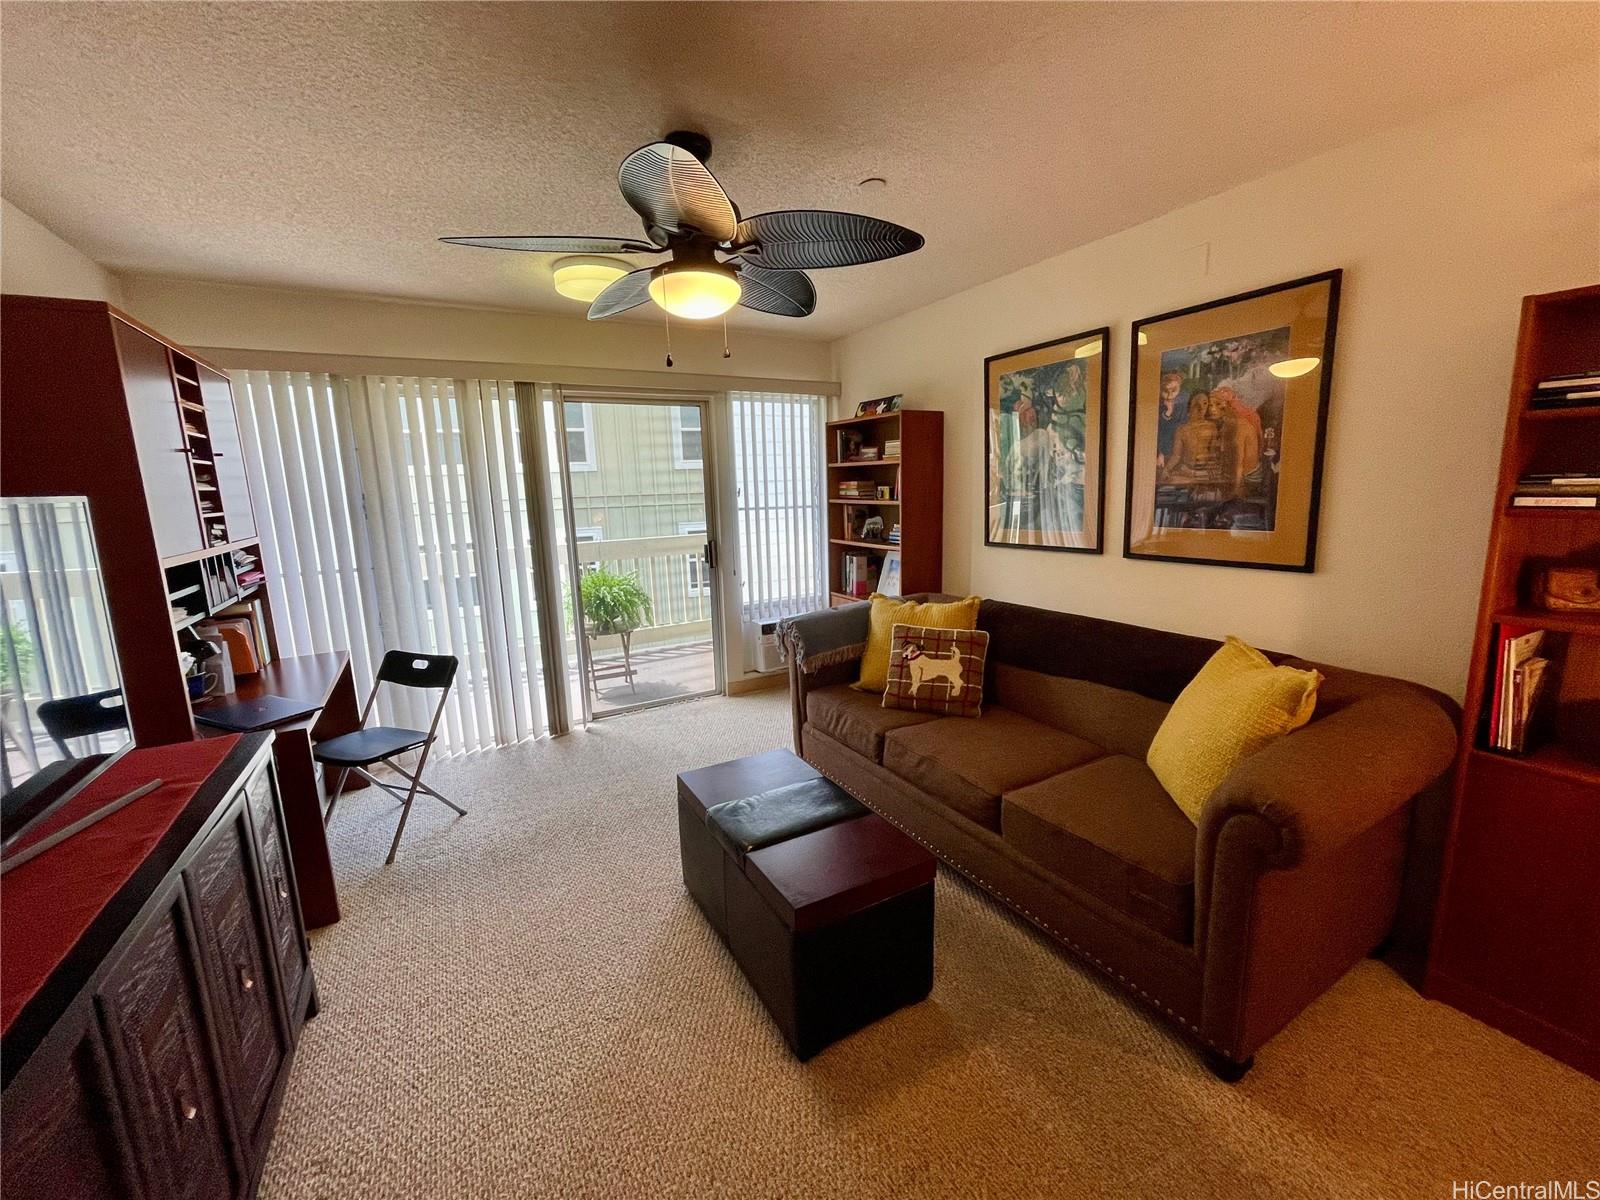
810,239
674,192
559,245
632,290
784,293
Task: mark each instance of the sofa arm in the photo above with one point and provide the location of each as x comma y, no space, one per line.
1337,777
821,647
824,638
1300,859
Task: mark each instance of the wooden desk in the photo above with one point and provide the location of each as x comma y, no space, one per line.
325,680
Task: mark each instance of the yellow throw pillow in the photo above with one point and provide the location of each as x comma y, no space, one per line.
889,611
1236,705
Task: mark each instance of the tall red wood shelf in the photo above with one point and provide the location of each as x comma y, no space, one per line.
915,478
99,405
1516,938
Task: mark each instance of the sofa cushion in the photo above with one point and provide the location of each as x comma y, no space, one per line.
969,764
889,611
938,671
1123,722
1237,705
858,719
1111,829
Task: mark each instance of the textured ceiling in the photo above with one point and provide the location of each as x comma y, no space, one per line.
327,145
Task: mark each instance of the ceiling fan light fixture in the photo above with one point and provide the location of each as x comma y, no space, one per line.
696,293
583,278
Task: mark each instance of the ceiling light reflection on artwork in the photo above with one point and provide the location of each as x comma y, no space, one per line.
1293,368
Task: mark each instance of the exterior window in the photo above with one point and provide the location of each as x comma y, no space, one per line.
580,437
699,576
687,453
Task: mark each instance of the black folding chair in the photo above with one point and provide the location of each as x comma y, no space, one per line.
382,743
83,716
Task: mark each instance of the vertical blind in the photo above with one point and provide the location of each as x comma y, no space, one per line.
396,518
393,513
778,472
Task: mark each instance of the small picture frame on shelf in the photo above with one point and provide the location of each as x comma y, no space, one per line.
889,575
873,408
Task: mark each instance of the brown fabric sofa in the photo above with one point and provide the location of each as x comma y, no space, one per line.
1227,930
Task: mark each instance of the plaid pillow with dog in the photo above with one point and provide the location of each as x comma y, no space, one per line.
937,670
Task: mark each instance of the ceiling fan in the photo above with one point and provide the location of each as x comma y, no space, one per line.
718,259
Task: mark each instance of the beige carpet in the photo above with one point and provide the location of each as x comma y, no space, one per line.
527,1004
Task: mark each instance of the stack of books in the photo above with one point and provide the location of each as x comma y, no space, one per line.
891,448
247,568
868,454
1557,489
894,534
1579,390
859,575
857,489
1520,677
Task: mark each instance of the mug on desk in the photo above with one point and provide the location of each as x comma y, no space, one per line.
203,684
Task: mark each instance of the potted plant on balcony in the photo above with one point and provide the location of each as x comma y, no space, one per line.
613,604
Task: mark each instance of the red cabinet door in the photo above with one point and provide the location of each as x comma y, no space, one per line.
63,1131
251,1029
165,1061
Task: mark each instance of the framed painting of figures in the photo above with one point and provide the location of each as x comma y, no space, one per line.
1044,440
1227,410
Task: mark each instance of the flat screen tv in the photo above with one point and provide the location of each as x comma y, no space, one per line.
62,716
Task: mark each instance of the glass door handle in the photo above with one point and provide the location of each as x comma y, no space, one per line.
709,553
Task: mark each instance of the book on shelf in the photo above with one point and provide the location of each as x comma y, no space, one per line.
1565,383
868,453
858,575
1523,500
1557,489
894,534
1519,679
1580,390
891,448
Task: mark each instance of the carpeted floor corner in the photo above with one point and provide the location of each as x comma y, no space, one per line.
527,1005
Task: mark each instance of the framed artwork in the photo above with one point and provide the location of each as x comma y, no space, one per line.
1044,444
1227,409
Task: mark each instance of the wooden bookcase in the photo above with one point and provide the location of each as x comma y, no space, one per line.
915,481
1517,930
99,405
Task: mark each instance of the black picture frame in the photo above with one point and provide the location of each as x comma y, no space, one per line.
1307,563
1103,333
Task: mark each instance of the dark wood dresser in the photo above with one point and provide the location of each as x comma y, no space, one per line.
156,977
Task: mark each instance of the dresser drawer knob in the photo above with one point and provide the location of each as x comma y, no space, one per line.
283,888
189,1111
245,981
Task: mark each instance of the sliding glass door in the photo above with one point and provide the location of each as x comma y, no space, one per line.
641,550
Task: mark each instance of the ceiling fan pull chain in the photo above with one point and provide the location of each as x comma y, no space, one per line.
668,316
726,353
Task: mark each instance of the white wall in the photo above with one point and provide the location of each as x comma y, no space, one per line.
268,319
35,262
1441,228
